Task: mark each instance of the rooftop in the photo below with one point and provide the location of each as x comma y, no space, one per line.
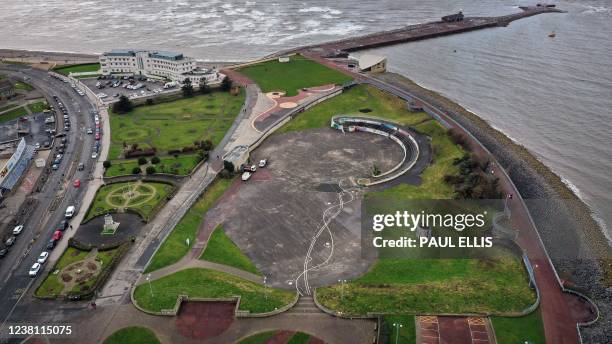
368,60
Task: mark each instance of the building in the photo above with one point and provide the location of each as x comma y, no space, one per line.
6,89
15,167
372,63
453,17
156,64
237,157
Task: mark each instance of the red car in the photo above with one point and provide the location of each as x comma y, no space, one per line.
77,183
56,235
97,136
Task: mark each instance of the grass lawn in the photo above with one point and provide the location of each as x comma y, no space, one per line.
52,286
205,283
266,337
258,338
145,198
13,114
6,107
381,104
37,107
299,73
405,286
132,335
182,165
221,249
175,124
175,247
407,331
20,85
519,330
79,68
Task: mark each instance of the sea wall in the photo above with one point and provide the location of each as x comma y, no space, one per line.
573,239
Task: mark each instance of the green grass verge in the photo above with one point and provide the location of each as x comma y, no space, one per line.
434,286
205,283
144,205
221,249
13,114
181,165
407,331
519,330
37,107
299,73
176,124
20,85
381,104
175,246
79,68
132,335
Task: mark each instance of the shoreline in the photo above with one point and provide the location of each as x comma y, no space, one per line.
599,222
581,257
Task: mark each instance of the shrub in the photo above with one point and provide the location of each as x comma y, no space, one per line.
106,164
155,160
123,105
136,170
149,101
151,170
142,160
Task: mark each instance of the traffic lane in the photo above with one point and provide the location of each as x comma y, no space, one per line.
21,281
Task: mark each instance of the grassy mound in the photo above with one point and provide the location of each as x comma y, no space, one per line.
205,283
221,249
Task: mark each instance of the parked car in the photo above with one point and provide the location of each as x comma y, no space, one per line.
246,176
3,252
57,235
77,183
263,163
89,131
81,167
17,230
42,258
10,241
50,244
34,270
70,210
63,225
94,155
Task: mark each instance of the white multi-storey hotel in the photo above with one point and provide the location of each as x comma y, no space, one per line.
156,64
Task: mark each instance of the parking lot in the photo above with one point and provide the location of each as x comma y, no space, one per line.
31,127
114,88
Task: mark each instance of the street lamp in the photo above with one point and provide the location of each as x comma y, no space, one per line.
148,278
265,288
342,282
397,329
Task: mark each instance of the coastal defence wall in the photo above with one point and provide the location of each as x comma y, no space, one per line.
418,32
559,215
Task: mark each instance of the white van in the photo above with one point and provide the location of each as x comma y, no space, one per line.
70,211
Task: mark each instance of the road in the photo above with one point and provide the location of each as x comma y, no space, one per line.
56,194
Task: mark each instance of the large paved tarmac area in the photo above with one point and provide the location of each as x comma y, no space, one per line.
274,216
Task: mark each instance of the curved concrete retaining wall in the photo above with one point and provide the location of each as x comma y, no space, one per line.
389,175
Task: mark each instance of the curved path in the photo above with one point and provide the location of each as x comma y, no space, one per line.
414,145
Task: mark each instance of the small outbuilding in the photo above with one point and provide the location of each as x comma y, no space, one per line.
372,63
